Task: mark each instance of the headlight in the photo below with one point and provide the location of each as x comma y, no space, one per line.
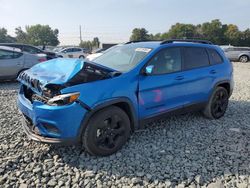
63,99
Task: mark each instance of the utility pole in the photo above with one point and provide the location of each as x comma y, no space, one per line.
80,33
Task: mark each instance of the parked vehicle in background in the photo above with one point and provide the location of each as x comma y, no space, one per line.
95,53
99,104
31,49
98,52
73,52
13,61
241,54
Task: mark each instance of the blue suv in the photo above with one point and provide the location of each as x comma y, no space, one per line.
100,103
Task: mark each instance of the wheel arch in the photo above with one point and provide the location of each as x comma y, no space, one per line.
244,54
123,103
23,69
225,84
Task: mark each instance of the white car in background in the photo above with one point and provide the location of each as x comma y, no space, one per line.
98,52
13,61
73,52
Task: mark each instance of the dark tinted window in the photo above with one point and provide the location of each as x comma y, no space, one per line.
195,57
31,50
228,50
214,57
77,49
166,61
17,55
4,54
68,50
243,49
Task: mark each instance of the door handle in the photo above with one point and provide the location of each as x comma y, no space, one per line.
179,78
212,72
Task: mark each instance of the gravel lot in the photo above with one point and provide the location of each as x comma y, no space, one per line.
181,151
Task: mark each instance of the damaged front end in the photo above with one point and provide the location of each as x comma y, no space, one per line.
45,81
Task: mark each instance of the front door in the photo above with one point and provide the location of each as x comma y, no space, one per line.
162,88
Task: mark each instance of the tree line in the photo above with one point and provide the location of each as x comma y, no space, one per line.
40,35
35,35
214,31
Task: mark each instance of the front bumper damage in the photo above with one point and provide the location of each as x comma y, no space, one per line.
50,124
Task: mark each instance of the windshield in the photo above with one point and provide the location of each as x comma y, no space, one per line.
122,58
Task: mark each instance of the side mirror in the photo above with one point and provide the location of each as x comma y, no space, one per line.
149,69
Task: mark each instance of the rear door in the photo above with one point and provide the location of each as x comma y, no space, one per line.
70,52
232,53
162,89
199,75
10,63
77,52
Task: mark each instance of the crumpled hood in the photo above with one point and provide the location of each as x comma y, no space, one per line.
56,71
62,72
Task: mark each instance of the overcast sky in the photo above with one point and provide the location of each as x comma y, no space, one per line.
113,20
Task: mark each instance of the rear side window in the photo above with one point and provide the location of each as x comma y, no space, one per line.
77,50
195,58
214,57
17,55
68,50
31,50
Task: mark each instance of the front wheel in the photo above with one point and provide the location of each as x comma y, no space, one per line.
107,131
217,104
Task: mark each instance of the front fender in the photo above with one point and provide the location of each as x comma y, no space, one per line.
108,102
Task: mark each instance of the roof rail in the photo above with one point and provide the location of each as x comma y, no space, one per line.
135,41
186,40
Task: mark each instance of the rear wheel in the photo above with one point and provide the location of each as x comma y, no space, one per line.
20,72
217,104
81,57
244,59
107,131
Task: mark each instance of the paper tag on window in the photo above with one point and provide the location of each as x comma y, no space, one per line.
146,50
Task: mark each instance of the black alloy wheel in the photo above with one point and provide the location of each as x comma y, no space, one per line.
219,104
107,131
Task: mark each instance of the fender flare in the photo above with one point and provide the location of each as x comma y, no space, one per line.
105,104
218,83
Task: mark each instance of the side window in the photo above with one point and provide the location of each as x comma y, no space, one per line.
5,54
214,57
166,61
77,49
31,50
195,57
68,50
17,54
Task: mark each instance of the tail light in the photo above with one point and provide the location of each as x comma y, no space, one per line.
42,59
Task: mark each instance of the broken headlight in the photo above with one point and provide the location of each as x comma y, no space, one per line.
63,99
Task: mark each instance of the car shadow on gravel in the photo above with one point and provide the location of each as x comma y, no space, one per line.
187,149
9,85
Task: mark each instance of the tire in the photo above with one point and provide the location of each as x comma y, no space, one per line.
81,57
244,59
102,137
21,71
217,105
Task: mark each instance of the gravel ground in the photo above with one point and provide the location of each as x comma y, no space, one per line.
181,151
